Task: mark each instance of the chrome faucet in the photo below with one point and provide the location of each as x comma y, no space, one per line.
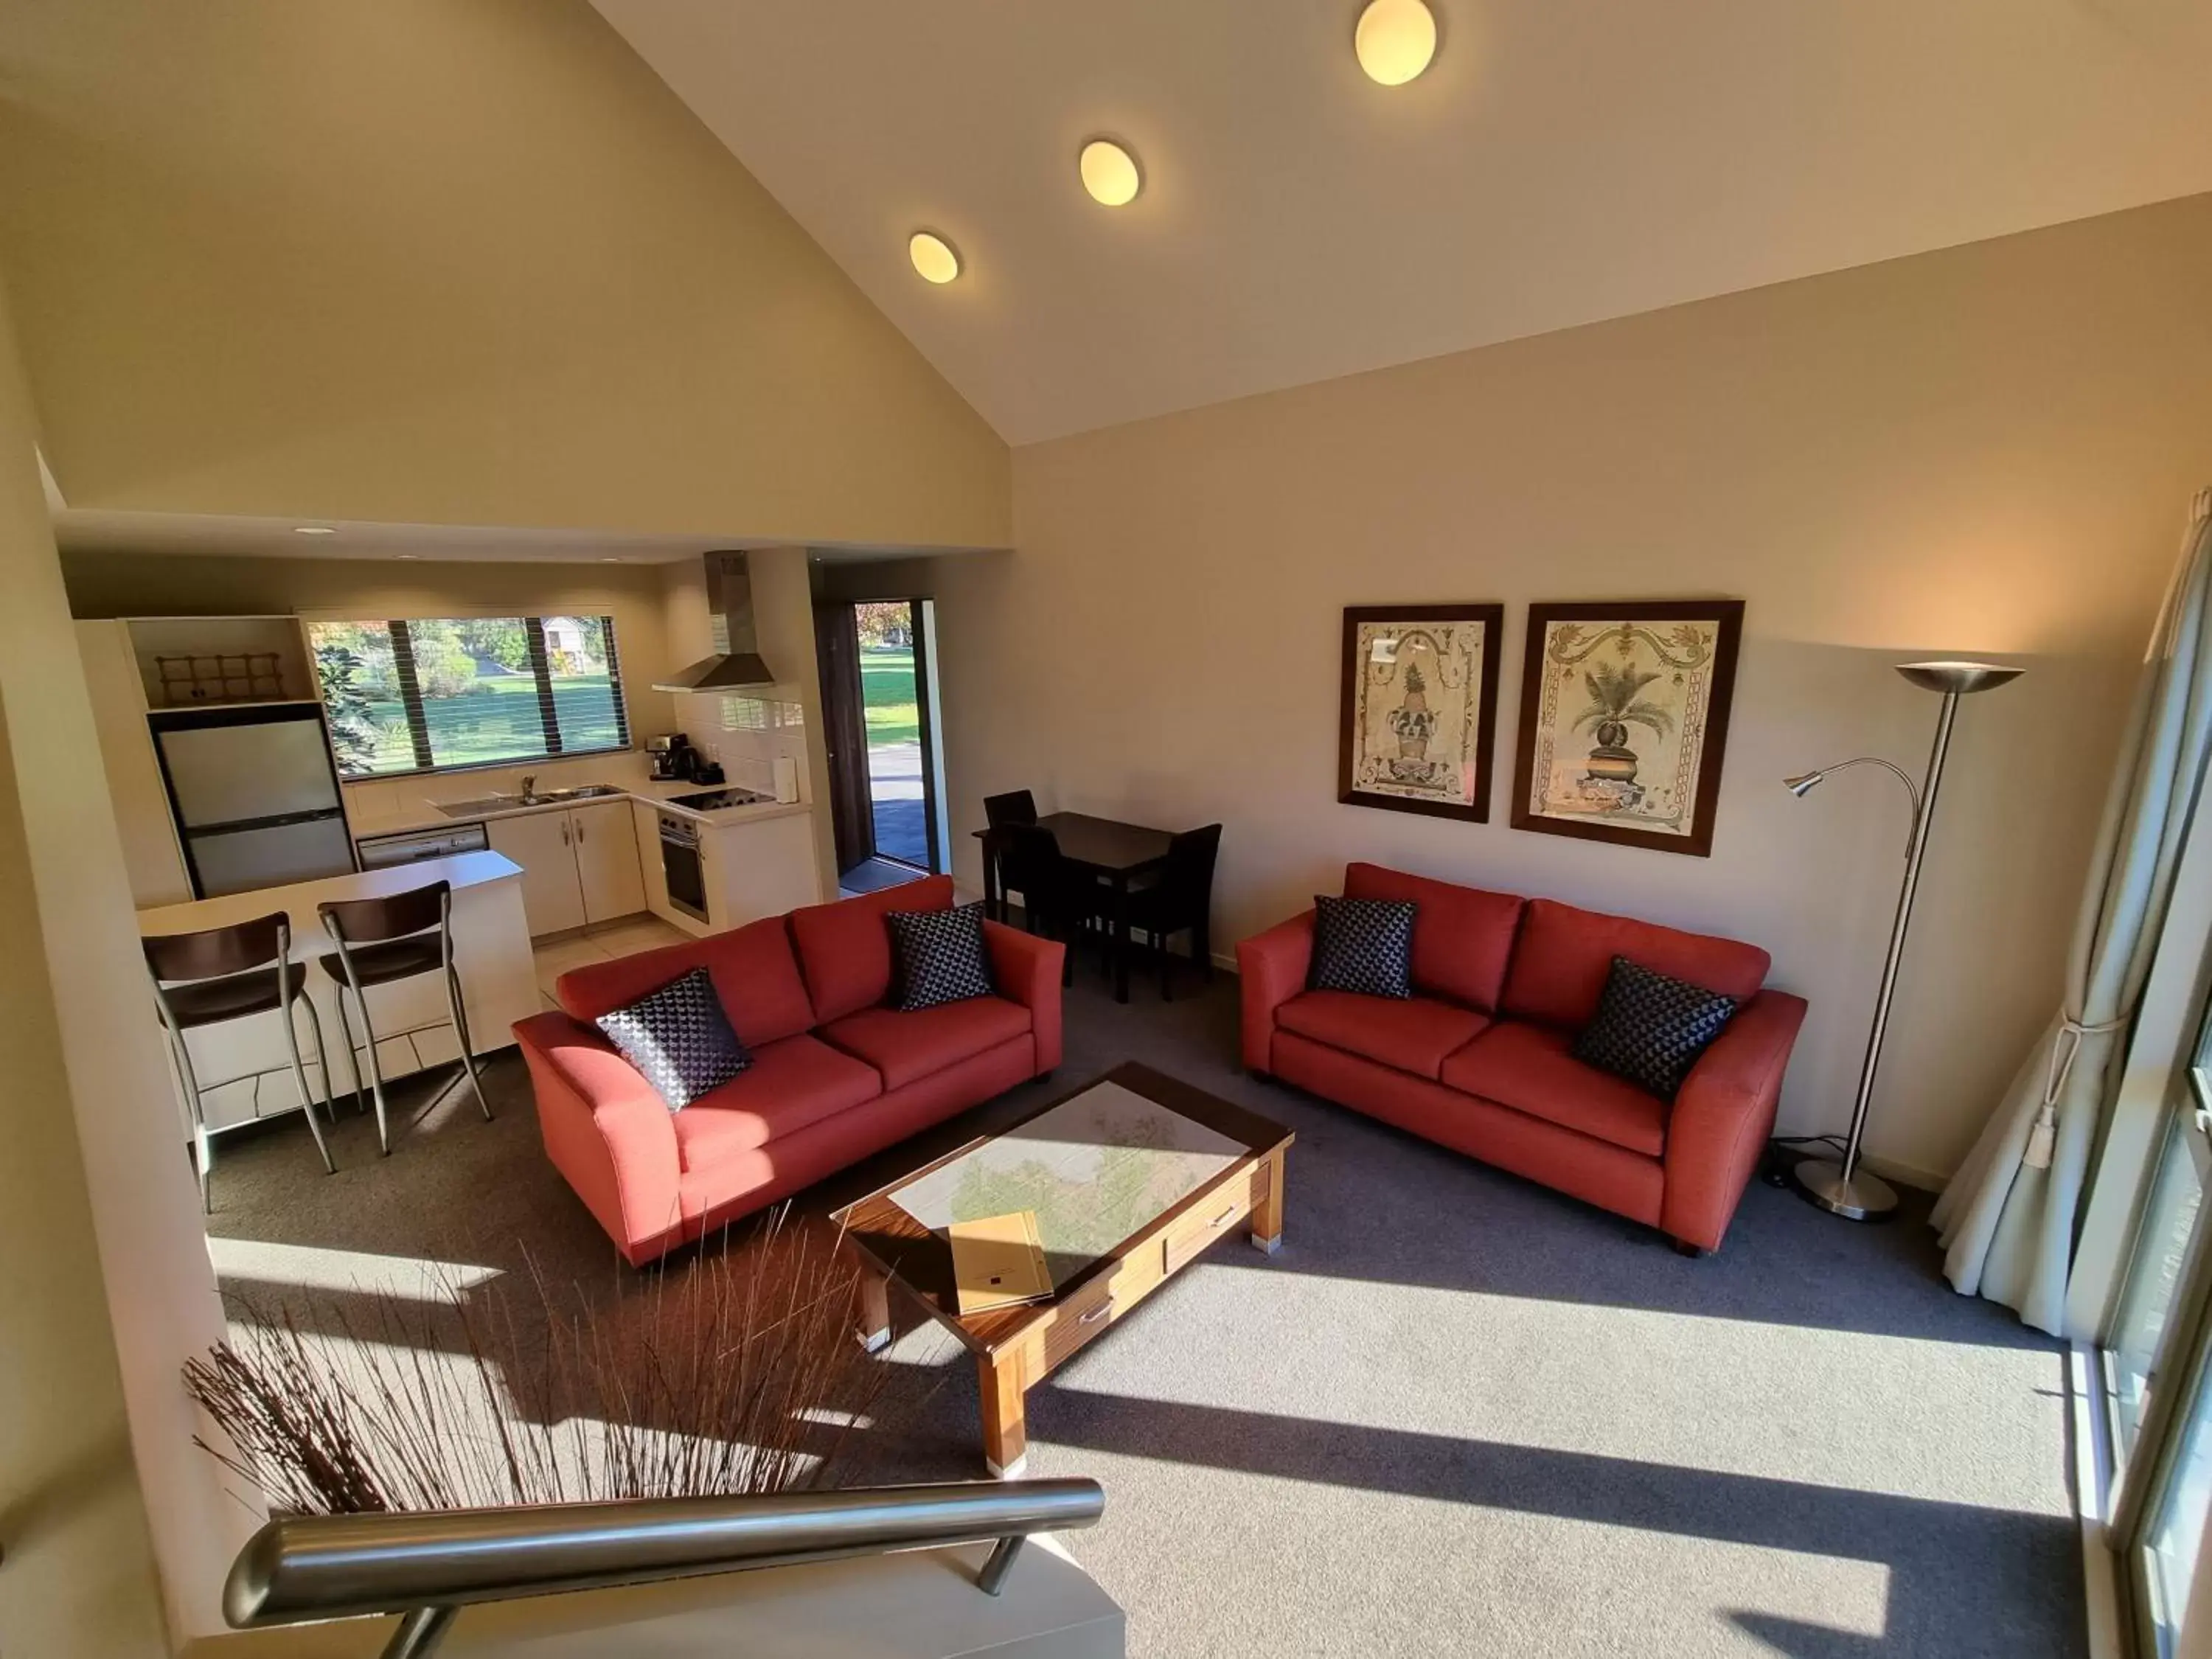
529,785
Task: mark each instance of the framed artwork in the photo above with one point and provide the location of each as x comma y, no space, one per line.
1420,707
1624,721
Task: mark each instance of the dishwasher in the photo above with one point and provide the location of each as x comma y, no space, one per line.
413,846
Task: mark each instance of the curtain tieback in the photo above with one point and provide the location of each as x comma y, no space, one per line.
2042,1138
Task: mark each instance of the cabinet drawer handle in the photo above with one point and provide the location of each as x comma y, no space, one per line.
1225,1217
1096,1313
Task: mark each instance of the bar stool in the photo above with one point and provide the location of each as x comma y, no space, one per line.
383,939
223,974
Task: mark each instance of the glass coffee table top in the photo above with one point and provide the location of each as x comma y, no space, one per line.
1096,1170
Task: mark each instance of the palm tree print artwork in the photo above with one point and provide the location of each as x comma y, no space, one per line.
1420,692
1625,714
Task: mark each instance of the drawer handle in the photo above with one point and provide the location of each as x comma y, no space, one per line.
1225,1217
1096,1313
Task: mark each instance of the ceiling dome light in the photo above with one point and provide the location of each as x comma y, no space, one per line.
313,530
1395,40
933,256
1109,172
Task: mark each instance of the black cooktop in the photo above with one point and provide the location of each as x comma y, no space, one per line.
715,799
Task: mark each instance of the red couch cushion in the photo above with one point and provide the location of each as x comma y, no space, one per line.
1560,965
1530,1068
791,1083
1414,1034
1463,936
845,950
909,1046
755,973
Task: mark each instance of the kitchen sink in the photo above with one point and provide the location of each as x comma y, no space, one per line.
485,805
581,792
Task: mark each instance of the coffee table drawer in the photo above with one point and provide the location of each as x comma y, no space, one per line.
1211,1220
1101,1303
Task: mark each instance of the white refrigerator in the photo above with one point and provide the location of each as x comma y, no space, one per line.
255,795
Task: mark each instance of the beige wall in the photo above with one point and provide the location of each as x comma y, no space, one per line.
98,1217
1986,450
441,263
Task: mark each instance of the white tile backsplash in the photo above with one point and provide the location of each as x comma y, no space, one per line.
747,735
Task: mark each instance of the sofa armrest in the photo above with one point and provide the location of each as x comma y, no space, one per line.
605,1130
1027,970
1271,969
1722,1116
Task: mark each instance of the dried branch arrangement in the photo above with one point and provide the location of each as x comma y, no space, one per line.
739,1375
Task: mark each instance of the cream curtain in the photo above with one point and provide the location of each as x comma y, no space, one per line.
2007,1220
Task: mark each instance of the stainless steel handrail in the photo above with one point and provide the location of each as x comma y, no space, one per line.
426,1566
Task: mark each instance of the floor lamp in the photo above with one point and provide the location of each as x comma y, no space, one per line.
1841,1186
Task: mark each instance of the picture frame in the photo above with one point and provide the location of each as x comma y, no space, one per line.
1418,710
1624,721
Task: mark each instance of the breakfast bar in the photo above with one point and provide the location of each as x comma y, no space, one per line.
491,953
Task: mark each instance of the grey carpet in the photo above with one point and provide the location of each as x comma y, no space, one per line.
1457,1414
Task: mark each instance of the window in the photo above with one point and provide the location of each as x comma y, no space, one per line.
432,692
2158,1371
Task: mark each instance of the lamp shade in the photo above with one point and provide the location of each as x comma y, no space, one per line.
1953,675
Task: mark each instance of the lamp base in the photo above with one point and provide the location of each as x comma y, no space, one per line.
1864,1197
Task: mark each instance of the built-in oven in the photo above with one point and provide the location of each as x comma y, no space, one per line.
680,862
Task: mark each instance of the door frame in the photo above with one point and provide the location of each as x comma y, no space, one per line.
921,616
844,733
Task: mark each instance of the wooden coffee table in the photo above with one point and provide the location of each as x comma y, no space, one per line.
1101,1163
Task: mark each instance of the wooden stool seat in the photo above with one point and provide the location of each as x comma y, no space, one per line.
211,1001
398,959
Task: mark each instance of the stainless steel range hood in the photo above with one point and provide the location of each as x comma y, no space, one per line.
736,665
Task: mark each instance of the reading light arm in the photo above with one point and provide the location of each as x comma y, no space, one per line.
1803,785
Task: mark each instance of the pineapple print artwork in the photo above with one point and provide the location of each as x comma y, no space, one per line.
1620,727
1419,689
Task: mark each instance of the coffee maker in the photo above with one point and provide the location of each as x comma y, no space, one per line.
673,758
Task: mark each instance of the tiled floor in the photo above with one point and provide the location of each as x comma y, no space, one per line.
604,943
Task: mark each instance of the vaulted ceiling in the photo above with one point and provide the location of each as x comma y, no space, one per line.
1559,163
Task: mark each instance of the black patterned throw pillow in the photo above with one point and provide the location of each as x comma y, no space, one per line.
938,956
679,1038
1650,1029
1364,945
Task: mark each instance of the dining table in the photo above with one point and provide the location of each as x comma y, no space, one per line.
1117,855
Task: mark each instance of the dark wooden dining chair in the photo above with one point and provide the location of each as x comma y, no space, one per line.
394,937
221,974
1015,806
1181,901
1054,902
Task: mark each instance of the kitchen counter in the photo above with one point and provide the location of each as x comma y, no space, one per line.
464,870
424,814
491,954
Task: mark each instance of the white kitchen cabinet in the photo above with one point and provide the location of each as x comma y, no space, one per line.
758,868
579,866
605,837
541,842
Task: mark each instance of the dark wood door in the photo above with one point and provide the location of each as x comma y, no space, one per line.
845,722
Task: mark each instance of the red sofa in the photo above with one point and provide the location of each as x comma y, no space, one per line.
1480,1059
834,1077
